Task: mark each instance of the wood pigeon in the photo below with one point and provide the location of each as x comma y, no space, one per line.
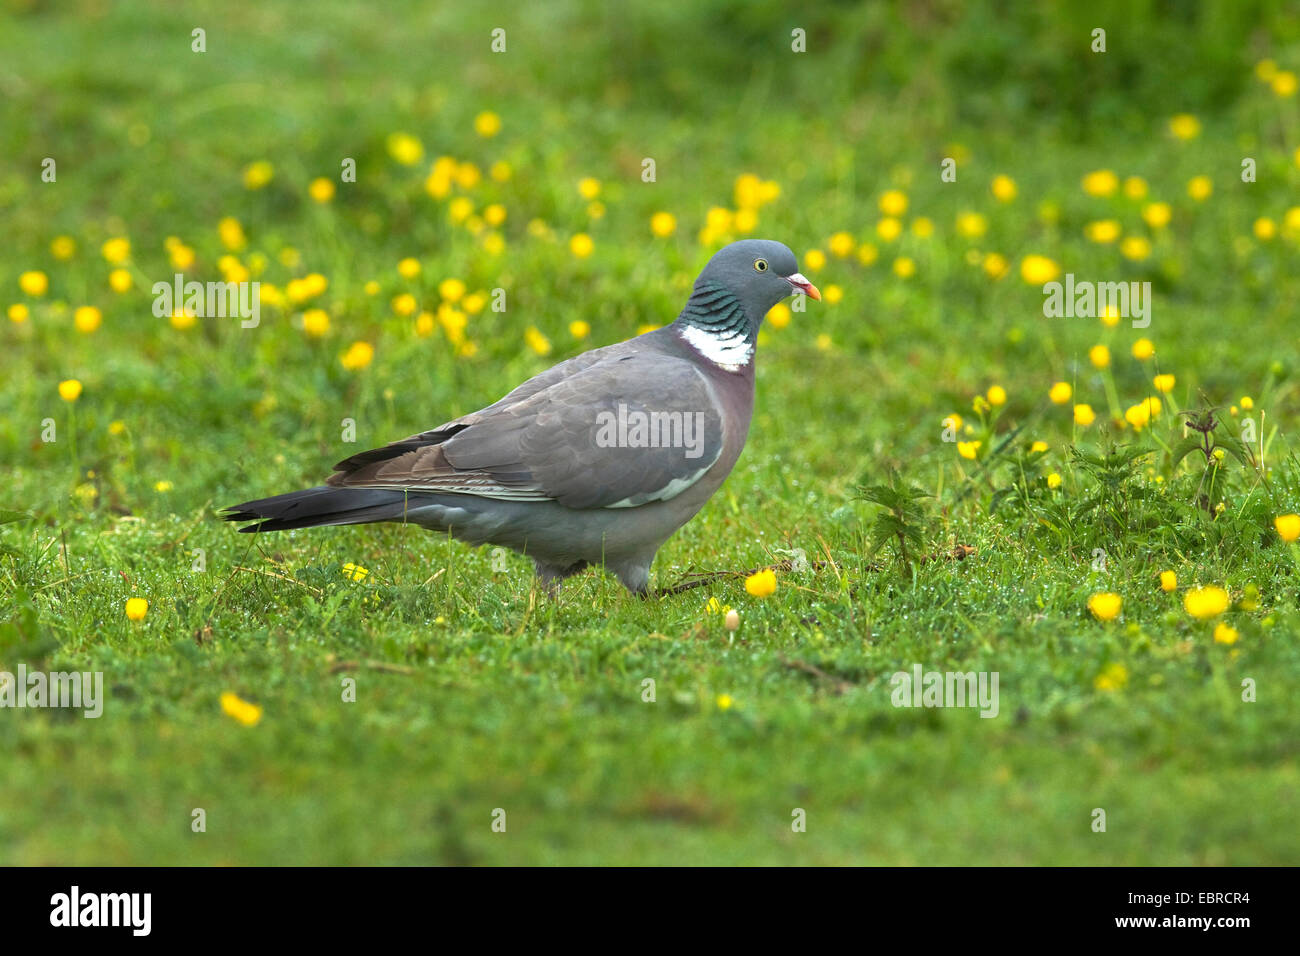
594,462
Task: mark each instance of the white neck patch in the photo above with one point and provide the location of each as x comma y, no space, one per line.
728,350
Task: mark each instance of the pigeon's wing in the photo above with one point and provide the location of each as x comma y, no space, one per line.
638,427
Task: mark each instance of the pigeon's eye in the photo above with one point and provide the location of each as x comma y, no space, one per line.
760,265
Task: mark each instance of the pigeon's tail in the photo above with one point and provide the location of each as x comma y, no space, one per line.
321,506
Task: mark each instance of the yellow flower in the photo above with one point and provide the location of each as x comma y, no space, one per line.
405,148
997,395
1112,677
663,224
358,356
1185,126
953,421
1143,349
63,247
1139,415
1135,187
1101,182
969,449
467,175
474,303
182,320
995,265
779,315
762,583
18,313
1099,356
1157,214
1102,231
1247,402
231,234
1265,70
1105,605
241,710
1135,248
163,486
119,280
747,191
1202,603
424,325
1284,83
971,225
1060,393
832,294
581,245
904,267
1168,581
1288,527
116,428
355,572
814,260
405,304
1038,270
1224,633
841,245
893,202
823,342
1084,415
1038,446
451,290
408,268
258,174
889,229
320,189
724,702
87,319
588,188
181,256
136,608
116,250
1004,188
70,390
316,322
1200,188
1264,229
487,124
495,214
537,340
500,171
579,328
33,283
867,253
922,227
1163,383
1053,481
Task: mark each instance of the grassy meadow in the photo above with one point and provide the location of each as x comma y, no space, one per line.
1123,497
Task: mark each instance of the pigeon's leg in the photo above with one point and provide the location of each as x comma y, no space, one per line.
551,575
635,576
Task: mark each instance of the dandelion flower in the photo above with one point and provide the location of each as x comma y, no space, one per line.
1168,581
779,315
408,268
1038,270
136,608
34,283
87,319
663,224
1105,605
405,148
1101,182
841,245
904,267
1288,527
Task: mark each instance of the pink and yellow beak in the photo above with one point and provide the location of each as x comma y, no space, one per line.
801,284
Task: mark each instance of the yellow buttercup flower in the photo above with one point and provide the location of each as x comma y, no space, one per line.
405,304
663,224
841,245
355,572
1163,383
87,319
136,608
779,315
1143,349
405,148
182,319
814,260
119,280
33,283
889,229
1099,356
1135,248
969,449
1084,415
579,328
408,268
1185,126
231,234
1200,188
1168,581
451,290
1139,415
762,583
832,294
1038,270
320,189
487,124
1207,602
495,214
1101,182
1060,393
241,710
724,702
316,322
995,265
867,253
537,340
1105,605
589,187
1157,214
258,174
1225,633
1003,188
904,267
1112,677
1135,187
971,225
997,395
581,245
70,390
116,250
1284,83
19,313
893,202
1288,527
1053,481
358,356
922,227
1102,231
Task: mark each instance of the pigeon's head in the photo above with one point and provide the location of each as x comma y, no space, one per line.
759,273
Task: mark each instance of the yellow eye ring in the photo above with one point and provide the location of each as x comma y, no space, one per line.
760,265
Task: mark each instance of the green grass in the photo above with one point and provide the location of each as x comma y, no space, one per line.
476,692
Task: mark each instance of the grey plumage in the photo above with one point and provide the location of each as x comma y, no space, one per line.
563,469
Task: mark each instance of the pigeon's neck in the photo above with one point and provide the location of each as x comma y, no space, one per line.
715,324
